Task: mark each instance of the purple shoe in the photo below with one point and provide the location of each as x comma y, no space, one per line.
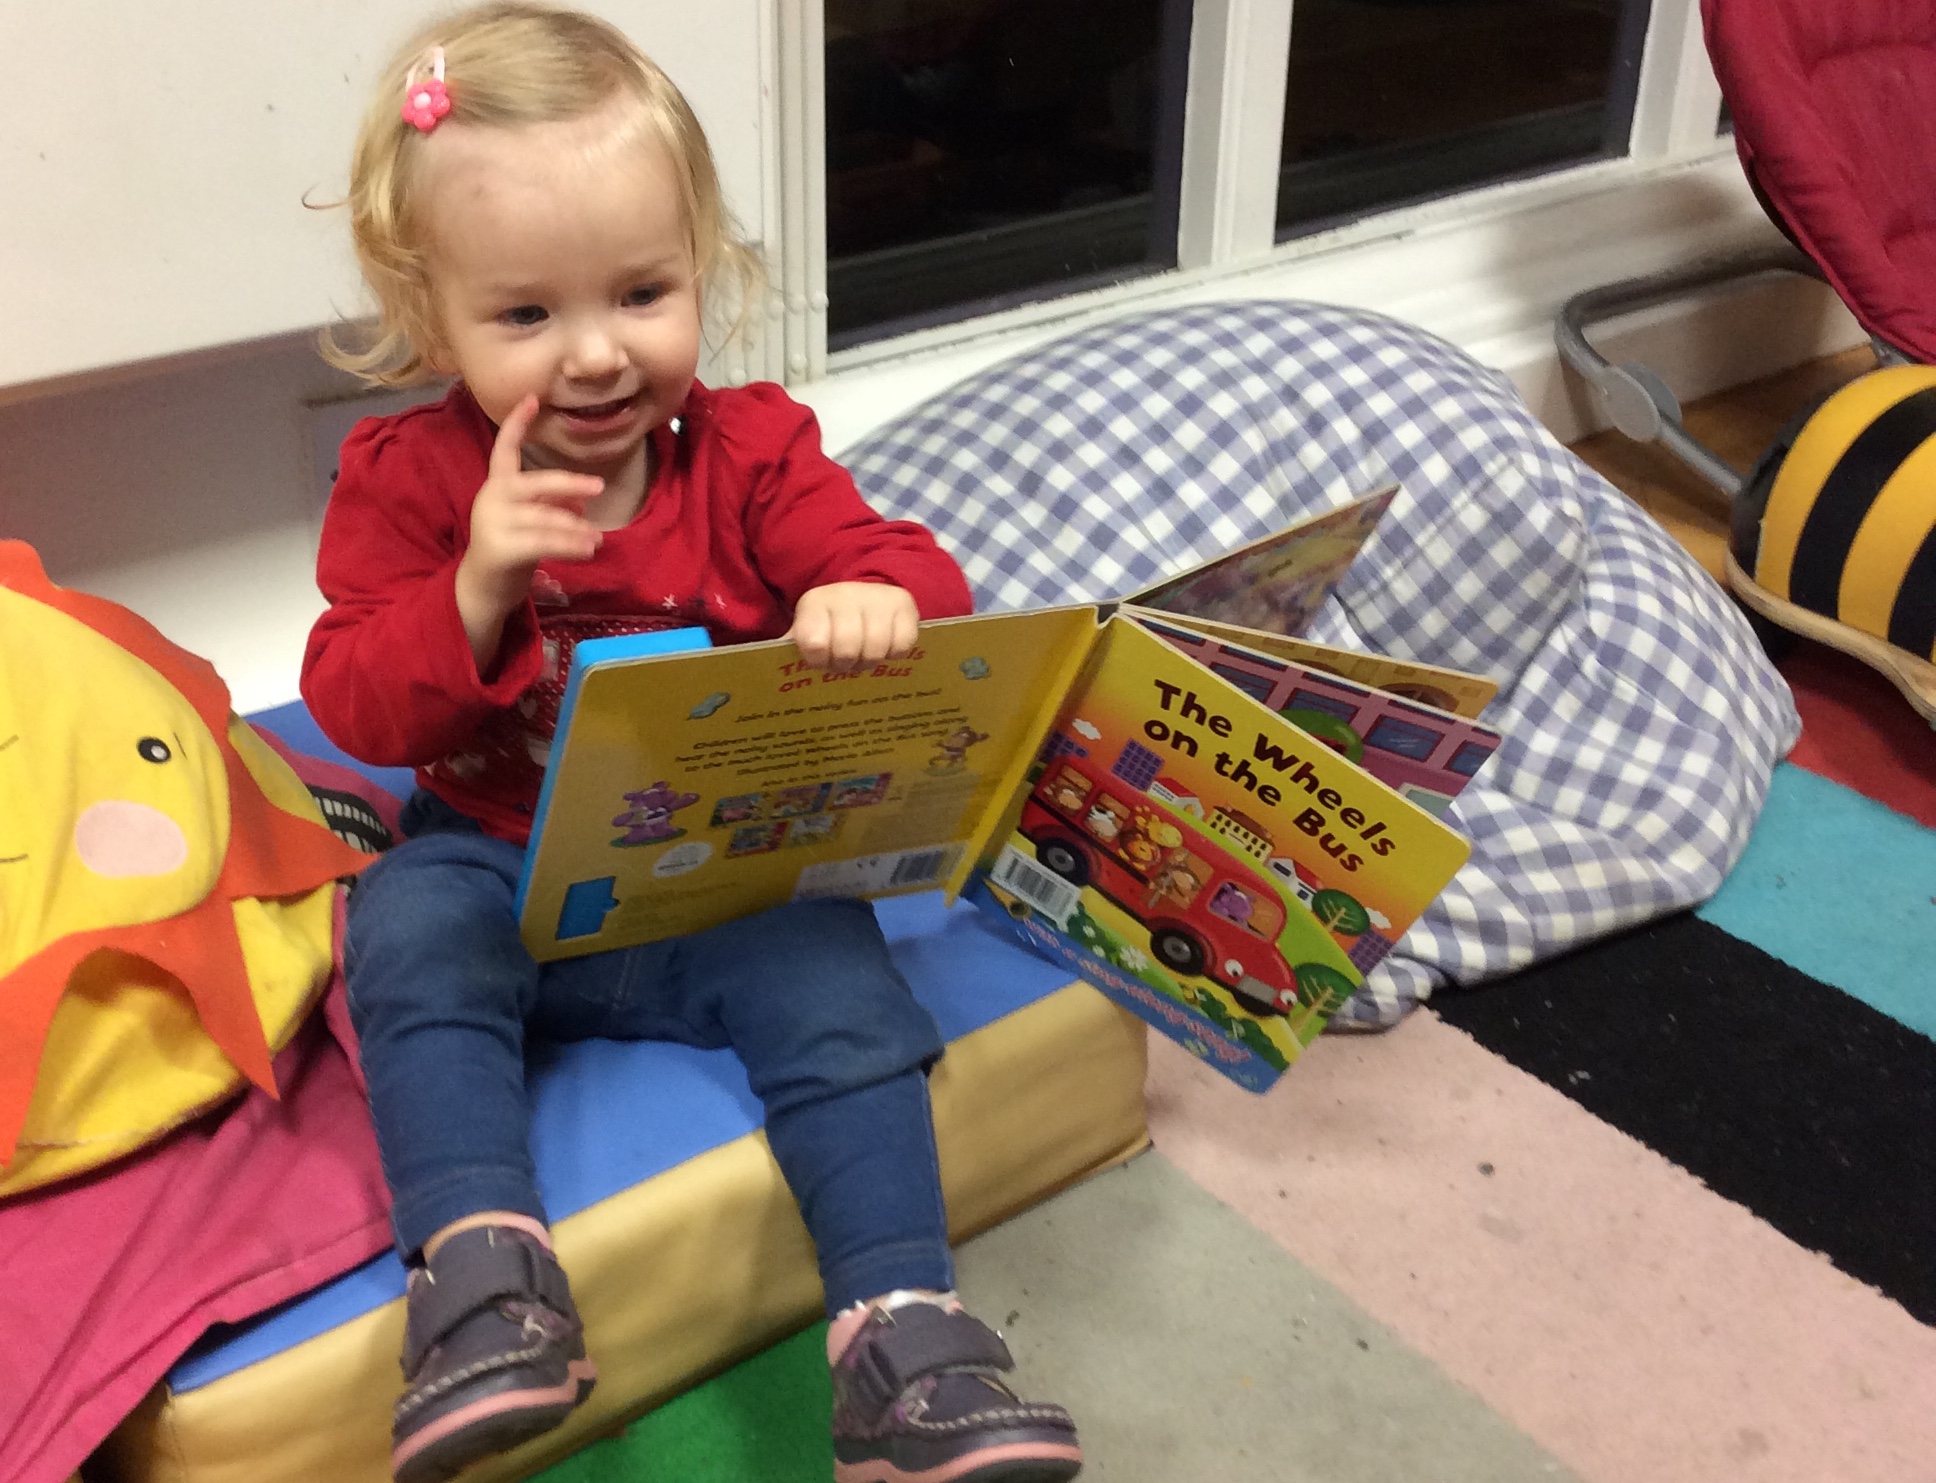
493,1353
918,1398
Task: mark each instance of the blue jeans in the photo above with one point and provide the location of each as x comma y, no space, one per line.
443,996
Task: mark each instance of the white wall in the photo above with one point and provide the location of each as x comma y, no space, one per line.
155,156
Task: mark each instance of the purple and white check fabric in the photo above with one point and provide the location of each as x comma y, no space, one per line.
1641,719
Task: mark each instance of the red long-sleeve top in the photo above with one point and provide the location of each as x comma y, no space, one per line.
745,513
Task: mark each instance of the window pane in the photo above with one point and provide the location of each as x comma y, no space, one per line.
1470,758
981,152
1331,705
1407,740
1253,685
1399,100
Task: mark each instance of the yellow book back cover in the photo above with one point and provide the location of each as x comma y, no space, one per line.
691,789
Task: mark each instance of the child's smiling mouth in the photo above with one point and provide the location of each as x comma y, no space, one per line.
598,414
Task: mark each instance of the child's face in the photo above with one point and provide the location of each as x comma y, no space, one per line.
560,267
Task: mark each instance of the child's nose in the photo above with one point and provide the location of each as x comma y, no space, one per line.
592,351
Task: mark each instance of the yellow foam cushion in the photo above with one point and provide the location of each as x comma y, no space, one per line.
682,1275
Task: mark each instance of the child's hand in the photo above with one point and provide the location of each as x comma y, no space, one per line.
849,625
521,517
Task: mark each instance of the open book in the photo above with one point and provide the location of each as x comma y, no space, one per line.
1220,825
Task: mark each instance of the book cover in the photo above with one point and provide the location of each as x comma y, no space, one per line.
1207,863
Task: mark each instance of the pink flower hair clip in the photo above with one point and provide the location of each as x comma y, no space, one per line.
425,99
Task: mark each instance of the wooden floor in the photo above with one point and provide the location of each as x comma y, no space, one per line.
1737,424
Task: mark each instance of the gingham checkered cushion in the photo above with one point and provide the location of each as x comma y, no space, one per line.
1641,719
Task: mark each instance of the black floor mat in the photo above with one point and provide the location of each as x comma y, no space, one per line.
1780,1092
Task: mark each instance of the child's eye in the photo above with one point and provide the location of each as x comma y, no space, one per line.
524,316
645,293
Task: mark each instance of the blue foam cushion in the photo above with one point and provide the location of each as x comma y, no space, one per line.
610,1114
293,724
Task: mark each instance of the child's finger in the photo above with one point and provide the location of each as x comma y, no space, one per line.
846,636
566,546
546,533
507,453
879,642
839,641
578,546
559,521
533,515
809,635
559,486
906,629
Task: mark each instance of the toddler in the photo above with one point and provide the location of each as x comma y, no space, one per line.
537,214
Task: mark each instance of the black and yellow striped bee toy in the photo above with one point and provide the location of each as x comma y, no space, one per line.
1834,532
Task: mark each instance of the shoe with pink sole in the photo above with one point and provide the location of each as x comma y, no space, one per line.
919,1398
493,1353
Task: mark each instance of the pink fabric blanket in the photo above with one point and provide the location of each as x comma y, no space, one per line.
110,1277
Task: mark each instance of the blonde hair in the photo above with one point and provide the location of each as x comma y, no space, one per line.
508,64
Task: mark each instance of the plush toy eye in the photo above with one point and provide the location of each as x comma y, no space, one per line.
153,749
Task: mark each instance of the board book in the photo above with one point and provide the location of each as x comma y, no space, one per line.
1220,825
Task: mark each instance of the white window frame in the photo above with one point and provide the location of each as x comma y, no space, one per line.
1233,122
1486,267
1678,111
783,335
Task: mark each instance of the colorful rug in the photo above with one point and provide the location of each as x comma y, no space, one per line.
1668,1205
1665,1207
1779,1043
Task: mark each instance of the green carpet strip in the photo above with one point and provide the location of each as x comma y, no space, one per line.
763,1421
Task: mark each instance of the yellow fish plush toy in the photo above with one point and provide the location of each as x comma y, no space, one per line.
165,882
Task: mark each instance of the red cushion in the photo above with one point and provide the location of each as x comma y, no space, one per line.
1833,121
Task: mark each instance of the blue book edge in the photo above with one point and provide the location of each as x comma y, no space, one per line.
587,656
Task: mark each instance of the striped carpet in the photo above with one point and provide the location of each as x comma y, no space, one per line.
1669,1204
1663,1211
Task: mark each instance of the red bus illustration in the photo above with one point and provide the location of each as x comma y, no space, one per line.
1208,912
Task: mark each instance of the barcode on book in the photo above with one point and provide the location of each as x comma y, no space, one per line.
871,875
922,868
1047,892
